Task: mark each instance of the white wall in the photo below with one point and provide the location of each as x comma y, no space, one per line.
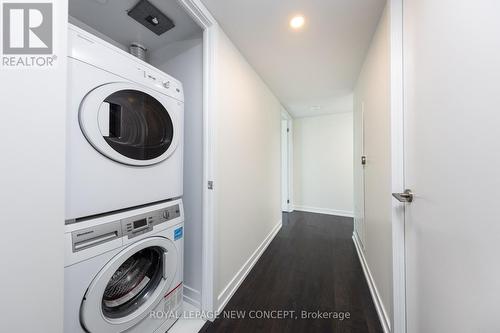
186,64
32,143
323,169
373,91
88,28
247,183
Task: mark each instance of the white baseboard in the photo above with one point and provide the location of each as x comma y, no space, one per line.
326,211
236,281
192,296
377,300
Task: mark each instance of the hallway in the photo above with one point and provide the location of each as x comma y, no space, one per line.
311,265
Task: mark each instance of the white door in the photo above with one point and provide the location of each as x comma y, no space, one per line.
359,178
452,134
285,163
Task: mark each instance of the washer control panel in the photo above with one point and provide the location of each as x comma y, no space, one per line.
141,224
132,226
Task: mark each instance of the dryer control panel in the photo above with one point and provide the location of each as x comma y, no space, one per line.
92,50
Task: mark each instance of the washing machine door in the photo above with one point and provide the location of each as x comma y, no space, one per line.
131,124
129,286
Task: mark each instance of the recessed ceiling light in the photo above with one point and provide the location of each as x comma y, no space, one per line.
297,22
315,108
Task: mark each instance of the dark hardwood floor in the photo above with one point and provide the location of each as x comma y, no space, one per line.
310,266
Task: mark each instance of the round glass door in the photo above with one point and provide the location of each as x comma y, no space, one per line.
129,286
133,283
136,125
131,124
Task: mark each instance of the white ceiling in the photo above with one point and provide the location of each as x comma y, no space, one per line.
314,67
110,18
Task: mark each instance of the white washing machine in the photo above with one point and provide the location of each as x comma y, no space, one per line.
123,272
125,130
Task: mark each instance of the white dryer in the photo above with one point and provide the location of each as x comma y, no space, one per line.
125,130
123,272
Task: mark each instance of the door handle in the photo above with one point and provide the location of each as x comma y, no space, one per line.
165,266
103,118
406,196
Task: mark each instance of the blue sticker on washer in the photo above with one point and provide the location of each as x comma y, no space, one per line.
178,233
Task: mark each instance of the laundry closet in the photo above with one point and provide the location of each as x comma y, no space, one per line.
135,164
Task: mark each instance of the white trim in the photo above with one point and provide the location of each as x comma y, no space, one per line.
327,211
202,16
192,296
379,305
397,165
198,12
360,242
323,114
285,114
209,261
238,278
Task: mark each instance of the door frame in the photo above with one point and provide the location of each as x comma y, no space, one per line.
360,221
200,14
288,168
397,165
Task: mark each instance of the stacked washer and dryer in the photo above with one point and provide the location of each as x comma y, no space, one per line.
124,213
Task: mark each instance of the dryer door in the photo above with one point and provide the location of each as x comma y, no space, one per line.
130,124
130,286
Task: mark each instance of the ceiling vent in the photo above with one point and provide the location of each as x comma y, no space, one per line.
151,17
